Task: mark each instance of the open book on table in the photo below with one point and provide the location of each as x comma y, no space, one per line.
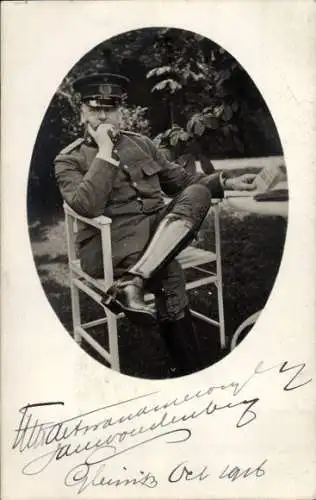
271,185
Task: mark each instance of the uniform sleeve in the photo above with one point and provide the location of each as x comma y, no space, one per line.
173,178
87,194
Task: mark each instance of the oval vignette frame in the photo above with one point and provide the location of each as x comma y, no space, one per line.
250,261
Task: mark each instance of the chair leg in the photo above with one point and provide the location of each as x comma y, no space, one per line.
219,281
111,317
221,318
113,340
75,308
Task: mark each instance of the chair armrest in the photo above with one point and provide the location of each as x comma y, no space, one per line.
97,222
215,201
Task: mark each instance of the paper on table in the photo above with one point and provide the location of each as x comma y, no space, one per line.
250,194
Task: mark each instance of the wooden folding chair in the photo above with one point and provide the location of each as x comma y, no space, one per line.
190,258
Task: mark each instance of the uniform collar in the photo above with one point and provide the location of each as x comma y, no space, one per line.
89,141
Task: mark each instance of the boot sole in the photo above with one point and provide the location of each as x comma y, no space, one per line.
142,318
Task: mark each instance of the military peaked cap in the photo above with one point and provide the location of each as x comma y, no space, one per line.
103,89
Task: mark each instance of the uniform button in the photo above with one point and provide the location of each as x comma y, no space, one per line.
134,184
125,167
138,199
115,151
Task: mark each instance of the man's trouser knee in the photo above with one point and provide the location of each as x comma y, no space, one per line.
177,226
192,203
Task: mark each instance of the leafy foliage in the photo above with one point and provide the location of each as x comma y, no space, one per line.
134,119
215,111
186,92
170,85
172,136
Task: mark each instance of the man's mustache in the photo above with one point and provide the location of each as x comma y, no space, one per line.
114,134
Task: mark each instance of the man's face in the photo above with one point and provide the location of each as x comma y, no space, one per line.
94,116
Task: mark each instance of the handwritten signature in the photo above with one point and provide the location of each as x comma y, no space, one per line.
83,476
96,437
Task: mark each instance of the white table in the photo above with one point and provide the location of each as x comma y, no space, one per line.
249,204
242,201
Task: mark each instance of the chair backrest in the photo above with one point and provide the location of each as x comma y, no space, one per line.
103,224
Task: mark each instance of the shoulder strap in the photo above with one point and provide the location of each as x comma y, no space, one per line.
72,146
128,132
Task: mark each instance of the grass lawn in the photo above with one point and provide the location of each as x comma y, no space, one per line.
252,249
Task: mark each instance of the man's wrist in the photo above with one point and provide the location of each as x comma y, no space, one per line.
223,179
106,156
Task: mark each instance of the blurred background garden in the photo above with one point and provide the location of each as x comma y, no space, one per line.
198,104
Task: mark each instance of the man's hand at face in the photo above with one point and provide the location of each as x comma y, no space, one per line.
103,137
244,182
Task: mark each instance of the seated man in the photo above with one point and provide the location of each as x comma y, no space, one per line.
122,175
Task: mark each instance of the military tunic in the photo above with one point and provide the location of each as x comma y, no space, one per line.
130,194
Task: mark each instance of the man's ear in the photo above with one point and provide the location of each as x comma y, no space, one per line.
121,120
82,119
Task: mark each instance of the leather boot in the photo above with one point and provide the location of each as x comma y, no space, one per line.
171,236
127,295
182,343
